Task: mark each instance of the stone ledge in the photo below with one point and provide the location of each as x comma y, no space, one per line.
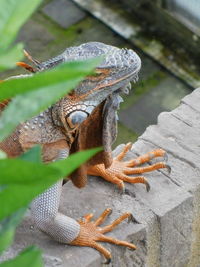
169,231
125,25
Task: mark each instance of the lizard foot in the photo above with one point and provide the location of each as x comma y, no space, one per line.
119,170
91,233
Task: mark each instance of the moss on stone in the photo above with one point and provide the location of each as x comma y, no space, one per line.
125,135
70,34
142,87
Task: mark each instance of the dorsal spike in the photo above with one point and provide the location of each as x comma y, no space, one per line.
26,66
34,61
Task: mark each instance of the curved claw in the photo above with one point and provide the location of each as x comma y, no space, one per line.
107,261
132,219
131,248
165,157
147,186
169,169
122,190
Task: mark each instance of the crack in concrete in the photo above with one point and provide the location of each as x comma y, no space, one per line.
196,110
172,134
184,147
180,119
130,193
180,232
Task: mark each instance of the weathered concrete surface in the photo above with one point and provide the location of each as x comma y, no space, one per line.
64,12
169,231
126,24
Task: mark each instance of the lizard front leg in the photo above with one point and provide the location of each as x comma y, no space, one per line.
44,210
119,170
66,230
45,207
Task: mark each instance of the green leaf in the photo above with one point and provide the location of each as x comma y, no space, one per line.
24,180
30,257
33,155
31,104
2,155
42,80
50,87
75,159
9,57
7,228
13,14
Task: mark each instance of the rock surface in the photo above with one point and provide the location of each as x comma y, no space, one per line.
64,12
168,234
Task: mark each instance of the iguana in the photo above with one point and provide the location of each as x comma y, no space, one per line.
85,118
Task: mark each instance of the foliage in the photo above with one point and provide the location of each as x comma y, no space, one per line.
25,177
13,14
29,257
36,93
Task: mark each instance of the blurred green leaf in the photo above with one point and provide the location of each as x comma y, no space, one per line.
33,155
31,257
50,86
7,228
25,180
9,58
42,80
13,14
75,159
2,155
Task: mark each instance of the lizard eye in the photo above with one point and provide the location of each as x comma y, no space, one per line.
75,118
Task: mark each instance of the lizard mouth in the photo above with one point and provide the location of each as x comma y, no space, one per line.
126,89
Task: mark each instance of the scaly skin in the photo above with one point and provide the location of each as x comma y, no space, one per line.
83,119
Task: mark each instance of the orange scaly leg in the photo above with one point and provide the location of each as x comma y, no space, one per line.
90,233
118,172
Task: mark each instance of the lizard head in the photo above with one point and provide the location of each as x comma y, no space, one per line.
112,77
118,68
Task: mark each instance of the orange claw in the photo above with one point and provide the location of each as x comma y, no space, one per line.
119,170
90,233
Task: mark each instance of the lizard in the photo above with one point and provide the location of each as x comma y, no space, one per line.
85,118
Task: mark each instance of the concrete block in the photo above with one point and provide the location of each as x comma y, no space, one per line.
64,12
169,202
31,33
184,135
188,115
193,100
